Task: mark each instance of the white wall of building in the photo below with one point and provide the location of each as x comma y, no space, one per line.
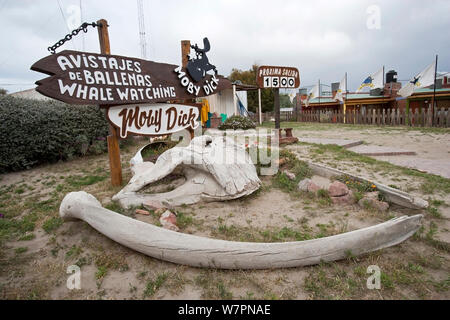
222,102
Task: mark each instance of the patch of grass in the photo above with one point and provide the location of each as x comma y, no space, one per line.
436,203
213,285
112,261
74,252
10,228
52,224
80,181
19,190
21,250
114,206
101,272
224,293
434,212
357,185
154,284
27,237
184,220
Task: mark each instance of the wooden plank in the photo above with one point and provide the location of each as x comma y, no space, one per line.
448,118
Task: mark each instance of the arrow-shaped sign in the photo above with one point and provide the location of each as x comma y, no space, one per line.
90,78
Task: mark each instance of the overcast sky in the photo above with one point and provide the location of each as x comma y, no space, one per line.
323,39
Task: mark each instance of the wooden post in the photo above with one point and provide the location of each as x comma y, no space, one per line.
408,122
236,110
113,139
185,51
259,106
276,101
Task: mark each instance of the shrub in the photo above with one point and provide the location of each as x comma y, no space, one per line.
237,122
34,132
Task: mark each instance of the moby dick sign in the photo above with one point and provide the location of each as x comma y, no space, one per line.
154,119
90,78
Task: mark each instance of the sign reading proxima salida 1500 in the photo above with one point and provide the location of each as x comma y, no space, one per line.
89,78
277,77
154,119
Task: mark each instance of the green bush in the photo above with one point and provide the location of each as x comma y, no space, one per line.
237,122
34,132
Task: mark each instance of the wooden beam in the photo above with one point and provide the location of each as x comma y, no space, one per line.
115,165
276,100
185,51
259,106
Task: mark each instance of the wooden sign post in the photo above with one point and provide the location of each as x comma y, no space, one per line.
276,78
131,90
115,165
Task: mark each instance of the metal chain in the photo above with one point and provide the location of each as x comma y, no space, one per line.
69,36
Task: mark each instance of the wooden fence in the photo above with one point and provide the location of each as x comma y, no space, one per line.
388,117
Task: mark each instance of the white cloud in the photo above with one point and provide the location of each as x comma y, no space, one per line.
322,38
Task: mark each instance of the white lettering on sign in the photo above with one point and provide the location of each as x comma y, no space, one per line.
279,82
153,119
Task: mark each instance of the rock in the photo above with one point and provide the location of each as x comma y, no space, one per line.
345,199
153,204
381,206
160,211
289,174
322,182
144,212
303,185
281,161
372,195
371,200
312,187
337,189
169,220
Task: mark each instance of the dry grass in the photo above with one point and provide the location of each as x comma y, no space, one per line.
36,247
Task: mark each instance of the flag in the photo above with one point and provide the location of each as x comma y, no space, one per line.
342,89
423,79
373,81
314,93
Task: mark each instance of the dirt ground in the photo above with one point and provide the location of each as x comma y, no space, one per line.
37,247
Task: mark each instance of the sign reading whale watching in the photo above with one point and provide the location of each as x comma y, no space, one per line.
277,77
90,78
154,119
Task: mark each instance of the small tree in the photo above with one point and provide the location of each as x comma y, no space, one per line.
249,77
3,92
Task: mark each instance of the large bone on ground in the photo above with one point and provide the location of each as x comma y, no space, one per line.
199,186
205,252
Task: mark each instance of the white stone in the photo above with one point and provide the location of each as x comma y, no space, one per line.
303,184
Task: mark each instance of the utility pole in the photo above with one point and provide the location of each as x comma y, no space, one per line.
143,41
